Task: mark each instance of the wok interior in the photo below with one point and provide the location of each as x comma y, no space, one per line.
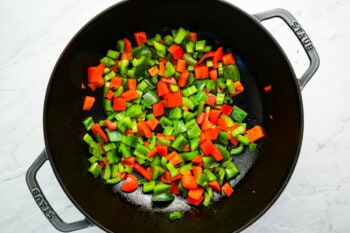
279,111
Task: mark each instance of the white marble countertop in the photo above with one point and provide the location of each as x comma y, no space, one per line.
34,33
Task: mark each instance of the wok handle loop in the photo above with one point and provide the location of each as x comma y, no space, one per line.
301,35
42,202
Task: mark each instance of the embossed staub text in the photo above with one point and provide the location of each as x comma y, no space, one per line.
42,203
302,35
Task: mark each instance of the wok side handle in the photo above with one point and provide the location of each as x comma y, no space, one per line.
301,35
42,202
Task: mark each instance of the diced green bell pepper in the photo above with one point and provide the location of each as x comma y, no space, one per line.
179,126
185,168
237,131
114,136
162,197
188,156
200,45
172,169
141,151
175,113
220,175
243,139
161,188
231,170
179,143
157,171
107,172
130,140
238,114
157,37
211,176
208,195
148,186
175,215
192,129
112,156
107,61
169,70
95,169
161,49
113,180
189,59
150,98
237,150
228,120
188,103
187,115
180,35
168,40
189,91
194,143
88,123
164,121
252,146
203,180
231,72
125,150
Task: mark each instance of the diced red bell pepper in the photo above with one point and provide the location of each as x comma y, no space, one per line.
206,55
228,59
216,153
201,71
218,57
162,88
119,104
197,160
162,150
152,123
110,125
174,189
95,72
213,74
128,47
174,100
130,185
115,82
130,95
144,128
212,133
206,124
214,115
211,99
142,171
176,51
183,78
96,129
226,109
214,185
207,147
88,102
140,38
227,189
158,109
189,181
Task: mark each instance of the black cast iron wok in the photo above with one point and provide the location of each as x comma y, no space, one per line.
262,62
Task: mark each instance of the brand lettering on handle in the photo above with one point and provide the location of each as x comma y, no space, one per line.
302,35
42,203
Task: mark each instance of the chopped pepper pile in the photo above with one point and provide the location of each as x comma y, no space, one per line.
169,117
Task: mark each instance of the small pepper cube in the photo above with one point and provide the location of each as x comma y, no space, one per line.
174,100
